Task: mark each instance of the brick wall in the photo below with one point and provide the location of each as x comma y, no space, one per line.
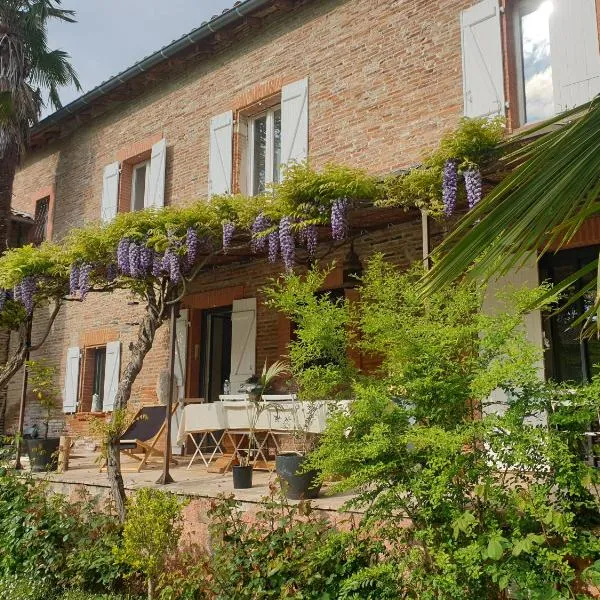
384,83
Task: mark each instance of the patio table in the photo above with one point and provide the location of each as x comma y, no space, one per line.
208,420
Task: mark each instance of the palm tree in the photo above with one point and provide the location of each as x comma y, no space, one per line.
552,187
29,71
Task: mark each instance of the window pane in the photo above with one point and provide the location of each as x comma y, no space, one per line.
537,65
259,151
139,188
40,221
277,146
99,369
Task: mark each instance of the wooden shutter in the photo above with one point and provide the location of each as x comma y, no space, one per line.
71,391
243,341
155,198
483,77
574,52
110,192
294,122
111,374
220,154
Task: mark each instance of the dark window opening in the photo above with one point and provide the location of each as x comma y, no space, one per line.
568,357
215,359
40,224
99,370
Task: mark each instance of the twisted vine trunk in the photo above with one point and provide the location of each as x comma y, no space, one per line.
153,319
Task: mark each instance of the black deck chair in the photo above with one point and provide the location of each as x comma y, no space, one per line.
140,439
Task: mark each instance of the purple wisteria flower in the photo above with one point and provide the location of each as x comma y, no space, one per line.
261,223
84,279
157,264
146,260
27,289
174,269
17,292
228,231
3,299
192,243
135,269
74,280
450,186
339,219
473,186
273,238
123,256
310,238
286,242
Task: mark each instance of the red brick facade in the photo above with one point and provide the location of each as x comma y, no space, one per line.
385,82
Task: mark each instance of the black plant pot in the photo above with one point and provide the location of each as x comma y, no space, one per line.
43,454
242,477
298,485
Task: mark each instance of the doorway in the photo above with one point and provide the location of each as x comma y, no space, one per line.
215,357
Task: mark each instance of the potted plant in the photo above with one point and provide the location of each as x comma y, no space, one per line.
42,451
242,472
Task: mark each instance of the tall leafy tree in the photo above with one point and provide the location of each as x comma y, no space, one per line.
30,75
552,187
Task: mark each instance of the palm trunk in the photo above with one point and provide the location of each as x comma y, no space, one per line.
9,159
147,331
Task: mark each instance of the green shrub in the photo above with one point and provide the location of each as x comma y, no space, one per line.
151,533
48,538
286,552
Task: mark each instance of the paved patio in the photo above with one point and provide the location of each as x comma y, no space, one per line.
195,482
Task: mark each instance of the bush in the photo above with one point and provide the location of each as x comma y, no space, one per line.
151,533
47,538
286,552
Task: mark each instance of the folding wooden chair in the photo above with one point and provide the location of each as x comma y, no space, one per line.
140,439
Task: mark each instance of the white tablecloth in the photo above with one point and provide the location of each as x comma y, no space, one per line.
276,415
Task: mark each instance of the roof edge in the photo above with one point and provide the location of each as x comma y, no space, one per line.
205,30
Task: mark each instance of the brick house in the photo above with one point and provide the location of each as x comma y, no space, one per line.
368,84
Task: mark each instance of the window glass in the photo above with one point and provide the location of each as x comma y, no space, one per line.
568,357
40,221
536,60
259,155
139,187
99,369
277,146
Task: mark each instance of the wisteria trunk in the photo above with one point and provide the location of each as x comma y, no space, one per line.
152,320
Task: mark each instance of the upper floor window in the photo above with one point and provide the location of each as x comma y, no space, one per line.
140,185
534,60
40,222
264,153
552,62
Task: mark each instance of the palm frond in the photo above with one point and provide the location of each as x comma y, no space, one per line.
537,208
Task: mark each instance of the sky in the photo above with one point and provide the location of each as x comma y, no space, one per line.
111,35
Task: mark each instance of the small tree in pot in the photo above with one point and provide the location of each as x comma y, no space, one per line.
43,451
319,364
242,472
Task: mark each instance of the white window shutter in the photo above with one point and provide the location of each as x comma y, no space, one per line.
155,198
244,172
181,338
483,76
220,154
112,371
243,341
575,53
110,192
294,122
71,391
